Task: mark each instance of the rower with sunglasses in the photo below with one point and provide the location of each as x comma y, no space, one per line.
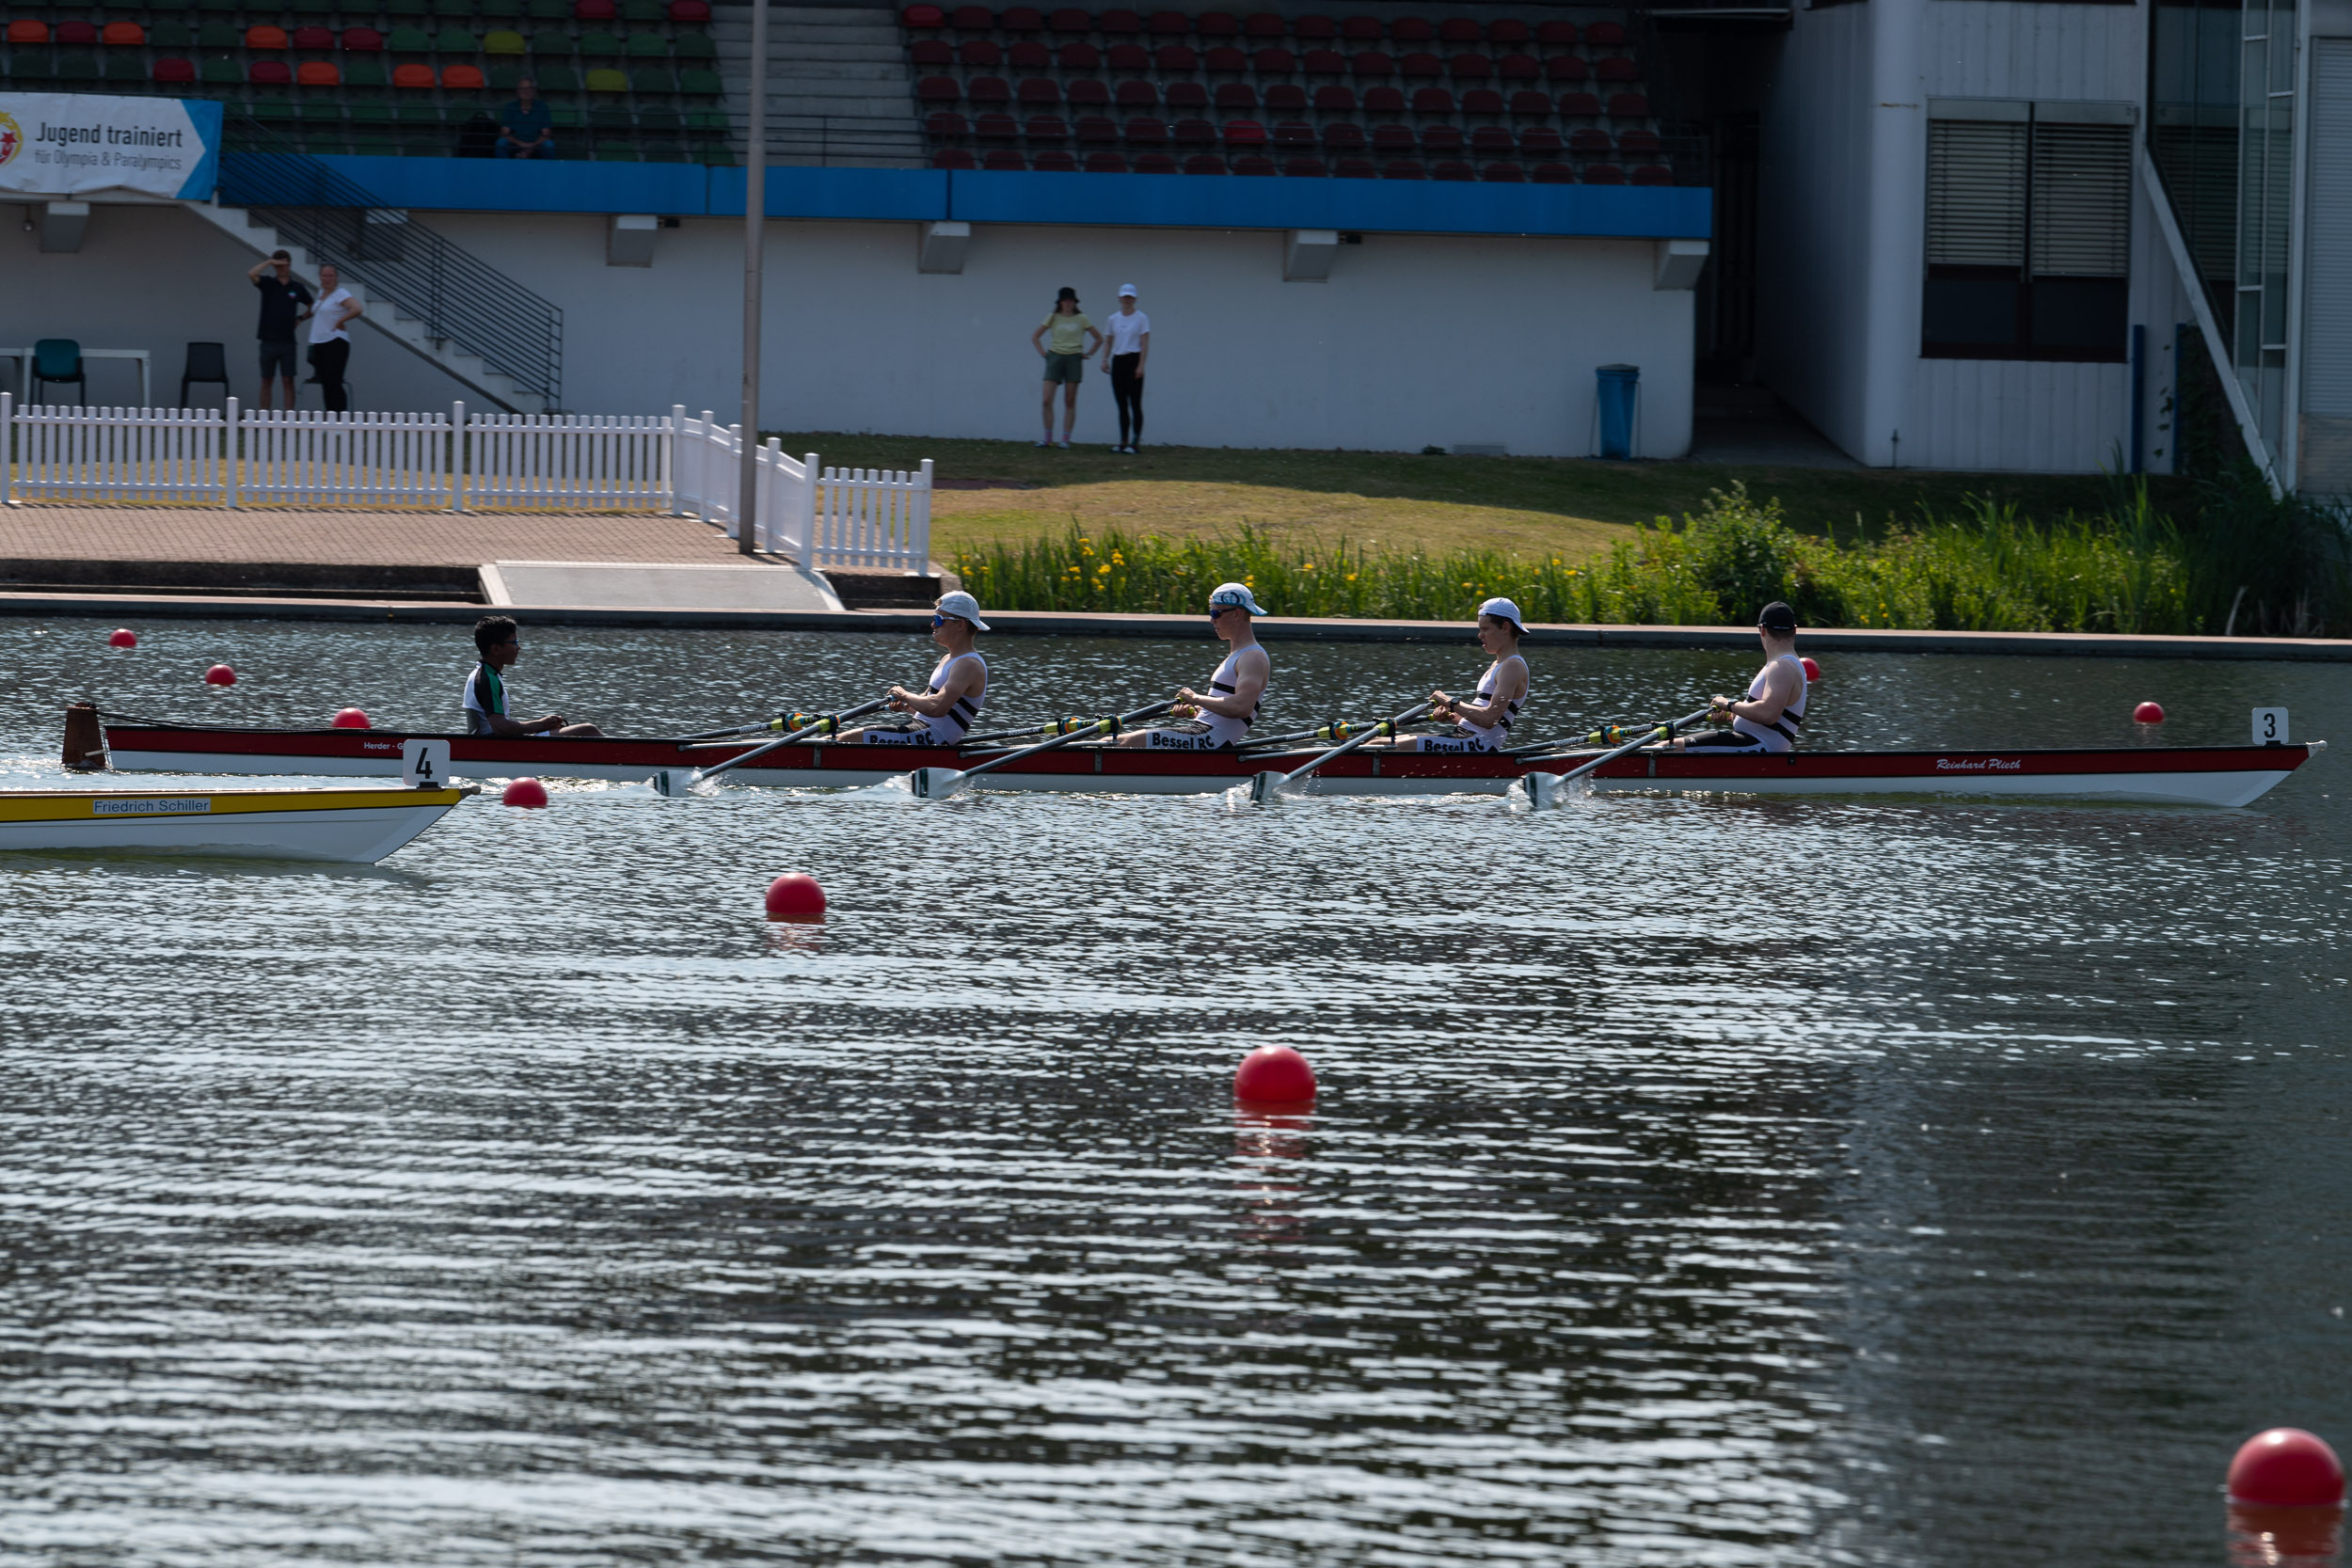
1222,716
941,712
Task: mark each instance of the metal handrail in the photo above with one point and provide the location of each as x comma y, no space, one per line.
459,298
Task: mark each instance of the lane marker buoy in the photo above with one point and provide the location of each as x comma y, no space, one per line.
2148,713
122,636
220,674
1274,1075
795,896
528,793
1812,671
2286,1467
350,718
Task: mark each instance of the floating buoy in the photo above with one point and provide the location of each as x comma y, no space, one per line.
1812,671
220,674
2286,1467
795,896
1274,1075
122,636
525,792
350,718
2148,713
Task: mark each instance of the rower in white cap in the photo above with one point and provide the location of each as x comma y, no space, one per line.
943,711
1483,722
1221,716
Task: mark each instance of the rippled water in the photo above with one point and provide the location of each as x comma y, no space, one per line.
1718,1182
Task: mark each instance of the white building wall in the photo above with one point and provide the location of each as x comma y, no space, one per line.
1416,340
2005,49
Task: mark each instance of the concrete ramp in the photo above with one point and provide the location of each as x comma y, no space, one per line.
774,586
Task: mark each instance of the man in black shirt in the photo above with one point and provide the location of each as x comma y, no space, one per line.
285,300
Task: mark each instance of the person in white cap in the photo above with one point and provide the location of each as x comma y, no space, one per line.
1483,722
943,711
1126,349
1221,716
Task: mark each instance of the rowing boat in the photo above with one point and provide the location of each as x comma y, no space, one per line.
2184,775
357,825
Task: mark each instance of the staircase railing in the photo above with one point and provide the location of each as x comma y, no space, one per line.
457,297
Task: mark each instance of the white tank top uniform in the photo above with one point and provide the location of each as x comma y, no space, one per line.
950,727
1473,737
1780,736
1212,731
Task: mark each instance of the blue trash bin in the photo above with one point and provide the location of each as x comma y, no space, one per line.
1615,402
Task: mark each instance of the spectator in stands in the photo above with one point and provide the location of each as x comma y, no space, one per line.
526,125
1126,346
285,298
330,345
1065,357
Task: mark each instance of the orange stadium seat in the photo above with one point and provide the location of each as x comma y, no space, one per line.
123,34
463,78
266,37
28,30
317,74
418,76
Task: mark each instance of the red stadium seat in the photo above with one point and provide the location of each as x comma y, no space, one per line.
953,157
1264,24
1193,133
1071,23
1539,141
1087,93
1098,130
1303,168
1245,132
996,128
1555,35
1128,56
1046,130
1256,166
1491,141
1029,55
1036,91
1078,56
1531,106
1169,24
131,34
972,19
362,40
1356,169
1274,62
1324,62
278,74
946,125
1579,105
1154,163
1506,31
1482,100
1004,160
930,53
1146,131
981,53
1603,174
1432,101
1393,140
1567,68
317,74
1287,97
1590,144
1225,60
1504,174
1441,138
1293,133
923,17
1413,30
1335,101
1021,19
1404,168
1139,95
1640,143
1616,68
937,89
1339,136
1608,33
1460,29
1373,66
174,70
1105,162
1421,66
698,11
1627,105
1314,28
1118,25
1653,174
1552,174
81,35
1055,161
1187,95
1175,56
1362,29
1452,171
988,89
1471,68
1204,163
1217,24
1519,68
1384,101
1236,98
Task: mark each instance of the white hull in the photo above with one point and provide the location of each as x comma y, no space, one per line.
351,835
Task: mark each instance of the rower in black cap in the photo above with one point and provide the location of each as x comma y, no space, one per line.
1768,719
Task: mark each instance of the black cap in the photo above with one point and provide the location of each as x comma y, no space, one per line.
1778,619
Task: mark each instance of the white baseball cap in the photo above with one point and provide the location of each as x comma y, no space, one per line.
1226,595
1503,609
1127,291
963,607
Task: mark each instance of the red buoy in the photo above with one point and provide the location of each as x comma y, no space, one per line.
2286,1467
1274,1075
795,896
220,674
2148,713
122,636
530,793
1812,671
350,718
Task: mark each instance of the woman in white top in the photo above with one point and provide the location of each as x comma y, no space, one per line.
1483,723
1222,715
1768,719
945,709
1126,349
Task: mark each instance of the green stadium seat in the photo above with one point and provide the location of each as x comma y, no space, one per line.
549,42
220,71
599,45
700,84
221,35
124,66
314,7
220,5
693,46
452,8
274,111
75,67
168,35
644,13
558,78
652,79
566,117
662,121
503,75
503,10
455,41
371,116
28,65
365,71
408,40
550,10
407,7
648,46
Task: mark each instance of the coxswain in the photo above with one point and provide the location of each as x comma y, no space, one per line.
1482,723
1221,716
943,711
485,689
1768,719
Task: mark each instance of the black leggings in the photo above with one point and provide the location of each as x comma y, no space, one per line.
1127,391
328,360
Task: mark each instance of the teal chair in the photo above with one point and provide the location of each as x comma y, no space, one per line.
58,359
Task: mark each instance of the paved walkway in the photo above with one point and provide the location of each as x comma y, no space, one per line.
55,532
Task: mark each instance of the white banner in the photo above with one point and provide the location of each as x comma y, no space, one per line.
71,144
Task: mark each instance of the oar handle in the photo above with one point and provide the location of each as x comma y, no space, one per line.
1107,725
1649,737
826,724
1372,732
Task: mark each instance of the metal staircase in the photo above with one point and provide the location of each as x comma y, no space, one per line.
446,306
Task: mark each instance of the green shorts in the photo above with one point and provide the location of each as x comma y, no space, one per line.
1066,367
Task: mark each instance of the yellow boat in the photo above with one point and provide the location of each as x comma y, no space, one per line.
355,825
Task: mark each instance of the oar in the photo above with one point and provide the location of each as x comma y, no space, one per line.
935,783
668,781
1543,789
1266,787
1338,729
1608,735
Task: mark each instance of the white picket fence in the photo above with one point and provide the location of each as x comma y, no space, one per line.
672,464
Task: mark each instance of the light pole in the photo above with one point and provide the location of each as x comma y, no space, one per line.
754,221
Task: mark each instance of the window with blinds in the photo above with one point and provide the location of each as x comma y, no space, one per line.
2029,248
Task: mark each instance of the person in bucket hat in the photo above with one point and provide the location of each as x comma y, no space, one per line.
946,708
1221,716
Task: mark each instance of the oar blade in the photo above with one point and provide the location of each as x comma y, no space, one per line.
675,782
935,783
1543,789
1266,789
